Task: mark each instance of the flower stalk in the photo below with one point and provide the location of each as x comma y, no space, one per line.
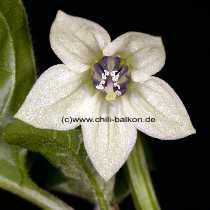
102,203
140,182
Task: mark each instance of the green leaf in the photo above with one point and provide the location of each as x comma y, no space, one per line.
7,68
19,71
65,150
139,179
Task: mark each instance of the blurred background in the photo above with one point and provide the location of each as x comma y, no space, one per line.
179,168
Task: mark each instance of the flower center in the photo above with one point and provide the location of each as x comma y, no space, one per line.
111,77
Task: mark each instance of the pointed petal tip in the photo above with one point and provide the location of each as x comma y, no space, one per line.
106,176
61,16
60,13
192,130
188,132
105,171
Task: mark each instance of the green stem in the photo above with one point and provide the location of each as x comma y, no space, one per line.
34,194
102,202
140,182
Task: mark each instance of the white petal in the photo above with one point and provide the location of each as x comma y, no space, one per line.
144,52
58,92
156,99
77,41
108,144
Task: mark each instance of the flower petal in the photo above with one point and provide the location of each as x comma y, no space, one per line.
108,144
156,99
144,52
58,92
77,41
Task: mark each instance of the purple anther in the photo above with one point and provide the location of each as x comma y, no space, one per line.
110,76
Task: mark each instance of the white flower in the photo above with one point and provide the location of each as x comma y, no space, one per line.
101,78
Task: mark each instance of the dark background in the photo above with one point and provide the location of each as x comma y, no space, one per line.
181,177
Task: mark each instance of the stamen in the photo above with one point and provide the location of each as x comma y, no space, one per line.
113,73
110,77
103,76
99,87
117,85
115,78
118,93
106,72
